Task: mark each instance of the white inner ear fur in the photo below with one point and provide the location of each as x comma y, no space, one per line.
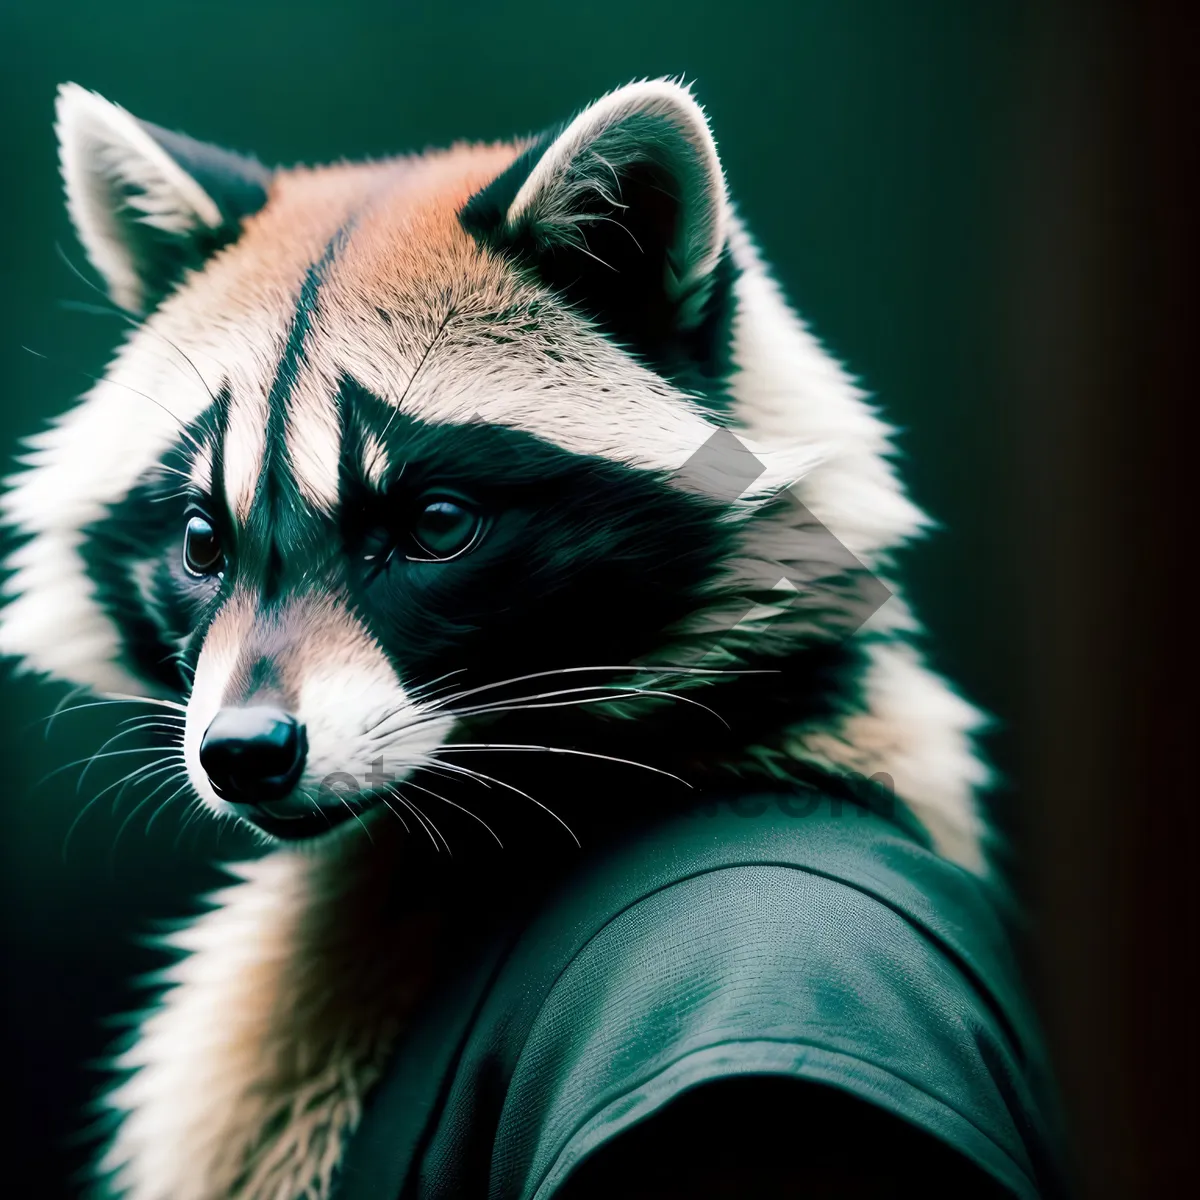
99,145
587,155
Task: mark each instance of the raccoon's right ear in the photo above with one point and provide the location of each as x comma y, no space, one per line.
148,204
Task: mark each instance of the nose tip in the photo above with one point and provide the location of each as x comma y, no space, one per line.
252,755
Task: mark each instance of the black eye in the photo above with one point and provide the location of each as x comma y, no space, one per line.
202,554
443,528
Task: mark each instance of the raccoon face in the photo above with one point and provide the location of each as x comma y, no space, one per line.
394,452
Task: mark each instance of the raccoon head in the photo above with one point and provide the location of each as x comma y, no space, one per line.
433,454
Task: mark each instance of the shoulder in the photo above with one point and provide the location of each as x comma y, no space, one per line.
766,973
731,952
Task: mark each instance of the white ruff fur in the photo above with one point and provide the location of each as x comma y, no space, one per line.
916,728
251,1072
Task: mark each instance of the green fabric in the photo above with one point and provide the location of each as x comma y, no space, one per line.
745,940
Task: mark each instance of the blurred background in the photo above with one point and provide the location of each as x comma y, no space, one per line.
978,206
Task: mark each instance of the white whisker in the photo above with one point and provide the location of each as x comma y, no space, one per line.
172,704
412,808
394,813
476,747
61,711
137,808
642,670
354,814
167,803
419,811
115,737
125,779
444,800
480,776
93,757
607,694
60,707
195,808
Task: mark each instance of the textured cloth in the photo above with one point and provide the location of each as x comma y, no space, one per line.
758,939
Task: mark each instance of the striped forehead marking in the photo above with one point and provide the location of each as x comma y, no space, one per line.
270,457
243,453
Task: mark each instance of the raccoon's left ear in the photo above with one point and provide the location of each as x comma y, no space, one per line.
148,204
624,211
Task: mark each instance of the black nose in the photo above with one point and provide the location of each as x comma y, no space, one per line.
253,755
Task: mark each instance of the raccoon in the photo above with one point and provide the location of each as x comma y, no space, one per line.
494,471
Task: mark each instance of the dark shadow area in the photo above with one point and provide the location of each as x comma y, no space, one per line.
793,1139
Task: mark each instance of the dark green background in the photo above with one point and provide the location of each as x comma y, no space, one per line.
871,147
